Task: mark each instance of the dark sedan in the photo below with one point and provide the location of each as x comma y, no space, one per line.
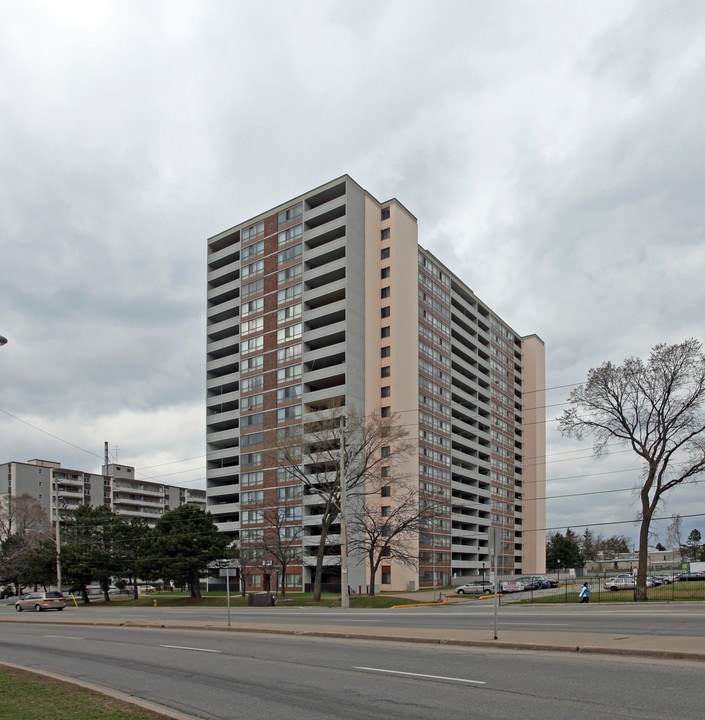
690,577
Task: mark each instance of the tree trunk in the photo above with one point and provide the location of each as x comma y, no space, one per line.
373,575
195,587
320,552
282,579
642,567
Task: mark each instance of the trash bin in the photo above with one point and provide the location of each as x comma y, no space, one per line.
260,600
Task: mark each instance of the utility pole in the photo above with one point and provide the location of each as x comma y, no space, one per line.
57,531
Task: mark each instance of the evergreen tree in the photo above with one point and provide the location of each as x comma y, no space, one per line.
183,543
563,551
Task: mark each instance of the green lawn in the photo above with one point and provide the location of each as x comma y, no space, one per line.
169,599
26,696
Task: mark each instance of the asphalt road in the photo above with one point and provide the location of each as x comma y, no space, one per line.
677,619
229,676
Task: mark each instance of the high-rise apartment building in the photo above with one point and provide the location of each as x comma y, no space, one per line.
328,299
58,488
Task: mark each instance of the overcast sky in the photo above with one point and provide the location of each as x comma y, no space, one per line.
553,153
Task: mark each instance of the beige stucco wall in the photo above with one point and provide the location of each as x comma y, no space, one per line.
403,339
534,454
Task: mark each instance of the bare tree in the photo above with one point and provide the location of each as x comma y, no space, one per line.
250,557
282,538
25,534
656,407
23,516
674,534
386,528
338,439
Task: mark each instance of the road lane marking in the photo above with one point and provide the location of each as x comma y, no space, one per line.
421,675
195,649
65,637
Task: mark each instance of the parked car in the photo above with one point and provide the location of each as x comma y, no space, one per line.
624,583
690,577
39,601
511,586
547,582
664,578
474,588
531,583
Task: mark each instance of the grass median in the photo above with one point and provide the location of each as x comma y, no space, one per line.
27,696
212,599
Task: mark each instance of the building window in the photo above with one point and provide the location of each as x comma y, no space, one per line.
386,292
252,478
385,213
293,233
386,252
292,513
289,353
256,287
290,214
293,372
293,392
386,412
284,474
386,510
386,451
288,294
251,440
387,391
289,333
288,274
386,491
252,402
386,575
252,251
289,313
255,344
250,233
289,254
386,234
386,331
386,311
290,492
252,497
289,414
386,371
386,351
250,459
252,326
252,306
254,268
249,421
386,272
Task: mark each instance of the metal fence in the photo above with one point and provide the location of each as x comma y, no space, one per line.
671,590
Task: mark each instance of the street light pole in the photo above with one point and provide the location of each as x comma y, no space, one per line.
57,530
344,596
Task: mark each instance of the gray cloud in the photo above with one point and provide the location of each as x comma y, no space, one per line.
553,155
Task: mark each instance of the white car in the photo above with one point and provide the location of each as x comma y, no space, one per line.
624,583
512,586
476,587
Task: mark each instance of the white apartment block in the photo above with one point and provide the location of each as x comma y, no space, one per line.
328,299
58,489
